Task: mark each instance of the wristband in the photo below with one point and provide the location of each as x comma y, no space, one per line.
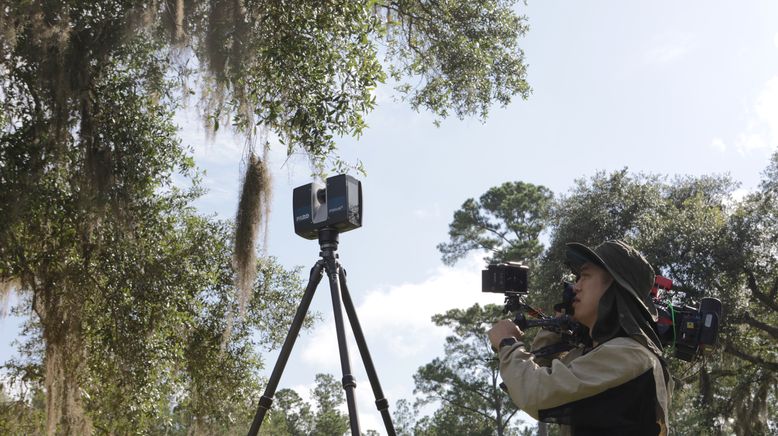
505,342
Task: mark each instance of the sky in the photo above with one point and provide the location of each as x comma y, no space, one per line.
664,87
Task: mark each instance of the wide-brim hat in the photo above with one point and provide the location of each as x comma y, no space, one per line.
627,266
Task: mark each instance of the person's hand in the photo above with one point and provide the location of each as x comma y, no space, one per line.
501,330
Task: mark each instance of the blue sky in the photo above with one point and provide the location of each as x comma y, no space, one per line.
662,87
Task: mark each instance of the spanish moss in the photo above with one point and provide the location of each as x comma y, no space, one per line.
252,214
6,288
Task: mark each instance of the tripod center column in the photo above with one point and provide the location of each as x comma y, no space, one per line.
328,241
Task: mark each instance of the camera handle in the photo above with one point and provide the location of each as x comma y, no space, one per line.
560,324
328,241
564,325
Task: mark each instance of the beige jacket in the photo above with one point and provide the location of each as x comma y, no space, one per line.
575,376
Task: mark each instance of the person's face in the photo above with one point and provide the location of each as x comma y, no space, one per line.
589,287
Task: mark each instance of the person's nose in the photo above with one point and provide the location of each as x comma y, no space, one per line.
577,286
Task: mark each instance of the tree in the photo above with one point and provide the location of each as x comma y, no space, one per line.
328,395
292,416
158,354
88,90
404,418
22,413
448,419
303,70
127,289
747,376
466,380
506,222
681,226
672,223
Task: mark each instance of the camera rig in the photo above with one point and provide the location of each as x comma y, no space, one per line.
511,279
686,329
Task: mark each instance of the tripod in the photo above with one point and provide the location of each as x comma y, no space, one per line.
328,242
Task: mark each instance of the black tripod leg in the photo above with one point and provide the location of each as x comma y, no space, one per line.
381,403
267,397
349,382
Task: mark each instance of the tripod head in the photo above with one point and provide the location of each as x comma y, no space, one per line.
328,240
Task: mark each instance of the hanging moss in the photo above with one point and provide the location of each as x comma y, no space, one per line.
53,381
267,199
252,211
7,286
63,362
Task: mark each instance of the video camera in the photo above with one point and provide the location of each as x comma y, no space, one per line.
505,278
511,279
686,329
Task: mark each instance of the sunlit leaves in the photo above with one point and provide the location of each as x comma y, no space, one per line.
456,56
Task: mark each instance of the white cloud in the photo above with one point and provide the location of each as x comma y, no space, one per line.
767,108
429,212
384,93
399,316
669,47
369,417
304,391
740,193
225,147
718,144
761,132
748,142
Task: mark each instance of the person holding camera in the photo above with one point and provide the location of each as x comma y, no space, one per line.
619,383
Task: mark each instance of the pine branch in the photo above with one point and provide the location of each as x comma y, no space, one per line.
465,407
484,226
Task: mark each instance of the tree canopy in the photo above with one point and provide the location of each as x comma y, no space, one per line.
302,69
506,222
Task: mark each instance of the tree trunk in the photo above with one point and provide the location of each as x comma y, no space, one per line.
706,399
